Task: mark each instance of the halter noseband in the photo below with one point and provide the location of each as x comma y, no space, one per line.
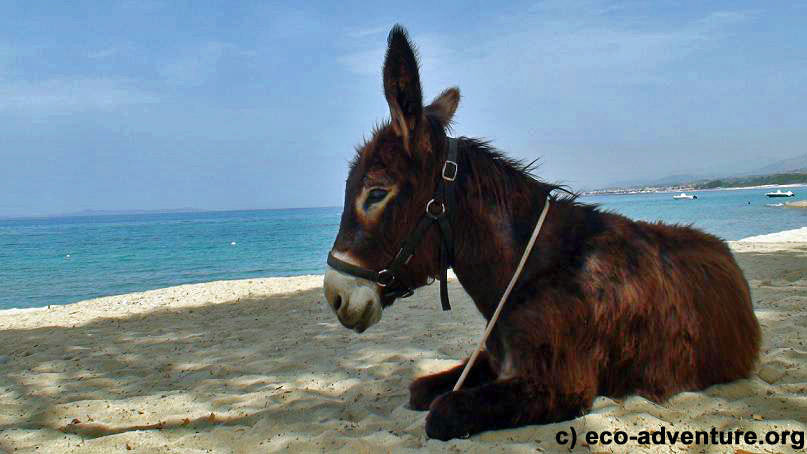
436,209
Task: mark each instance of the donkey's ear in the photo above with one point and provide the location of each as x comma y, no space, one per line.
444,106
402,85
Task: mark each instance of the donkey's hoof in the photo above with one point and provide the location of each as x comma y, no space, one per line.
448,418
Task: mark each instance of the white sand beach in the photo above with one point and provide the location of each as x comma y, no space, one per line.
262,365
788,236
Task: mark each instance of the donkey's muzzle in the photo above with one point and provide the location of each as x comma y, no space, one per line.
356,301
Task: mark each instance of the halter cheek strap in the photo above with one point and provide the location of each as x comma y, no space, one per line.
449,175
436,213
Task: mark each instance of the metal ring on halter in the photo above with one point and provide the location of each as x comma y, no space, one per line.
442,209
450,173
382,281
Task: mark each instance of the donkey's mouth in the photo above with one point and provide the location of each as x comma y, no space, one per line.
368,318
359,327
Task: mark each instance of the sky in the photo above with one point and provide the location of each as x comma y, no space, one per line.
120,104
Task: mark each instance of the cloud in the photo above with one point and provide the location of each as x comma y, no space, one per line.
564,49
197,66
71,94
365,62
142,6
6,57
369,31
556,40
101,54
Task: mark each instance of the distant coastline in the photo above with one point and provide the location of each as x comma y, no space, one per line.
787,173
683,188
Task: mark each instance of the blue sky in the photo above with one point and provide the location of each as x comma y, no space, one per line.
231,105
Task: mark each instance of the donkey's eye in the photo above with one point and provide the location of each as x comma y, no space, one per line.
376,195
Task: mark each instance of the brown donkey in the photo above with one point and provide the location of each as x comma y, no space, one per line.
605,305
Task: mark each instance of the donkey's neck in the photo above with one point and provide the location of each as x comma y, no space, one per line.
498,205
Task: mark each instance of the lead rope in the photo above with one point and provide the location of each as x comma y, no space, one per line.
506,294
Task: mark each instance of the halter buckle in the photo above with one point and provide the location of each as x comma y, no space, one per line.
450,173
435,215
385,277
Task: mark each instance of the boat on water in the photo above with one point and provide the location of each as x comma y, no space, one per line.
685,196
779,193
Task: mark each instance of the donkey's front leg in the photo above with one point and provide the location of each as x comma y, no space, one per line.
502,404
424,390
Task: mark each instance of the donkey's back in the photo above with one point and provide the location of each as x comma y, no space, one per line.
672,306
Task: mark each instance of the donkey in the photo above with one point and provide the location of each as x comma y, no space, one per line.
605,305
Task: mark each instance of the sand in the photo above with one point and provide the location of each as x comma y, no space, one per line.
773,241
262,365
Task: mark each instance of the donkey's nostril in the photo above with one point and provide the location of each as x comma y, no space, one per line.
337,303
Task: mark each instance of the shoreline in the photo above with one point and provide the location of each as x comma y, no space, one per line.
785,236
173,298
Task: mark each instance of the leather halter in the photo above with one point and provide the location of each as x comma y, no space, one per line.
436,209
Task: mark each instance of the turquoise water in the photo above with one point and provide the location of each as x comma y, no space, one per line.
110,255
731,215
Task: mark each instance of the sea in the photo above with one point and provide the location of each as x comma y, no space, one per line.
60,260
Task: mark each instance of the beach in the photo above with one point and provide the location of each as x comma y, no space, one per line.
262,365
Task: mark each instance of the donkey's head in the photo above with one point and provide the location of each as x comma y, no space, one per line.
391,180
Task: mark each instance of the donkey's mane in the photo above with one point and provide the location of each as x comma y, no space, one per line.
504,176
378,128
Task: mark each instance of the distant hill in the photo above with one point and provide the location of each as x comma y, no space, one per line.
796,165
790,165
755,180
671,180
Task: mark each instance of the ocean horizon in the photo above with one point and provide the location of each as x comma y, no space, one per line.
64,259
